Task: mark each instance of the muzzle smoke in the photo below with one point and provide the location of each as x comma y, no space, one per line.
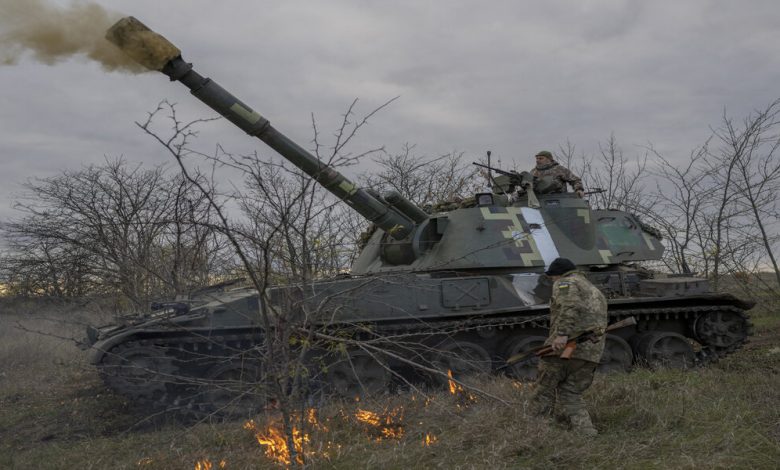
50,33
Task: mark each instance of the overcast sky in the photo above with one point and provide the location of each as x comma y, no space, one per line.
510,76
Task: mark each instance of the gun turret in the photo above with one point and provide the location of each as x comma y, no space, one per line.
396,215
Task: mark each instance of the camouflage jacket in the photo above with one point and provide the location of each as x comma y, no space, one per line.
559,173
577,306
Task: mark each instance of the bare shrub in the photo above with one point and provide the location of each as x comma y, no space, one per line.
111,229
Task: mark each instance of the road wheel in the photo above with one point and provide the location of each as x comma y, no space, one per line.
721,330
664,349
617,355
139,371
525,370
235,389
462,359
358,374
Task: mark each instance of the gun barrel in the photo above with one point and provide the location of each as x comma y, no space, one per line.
157,53
497,170
405,206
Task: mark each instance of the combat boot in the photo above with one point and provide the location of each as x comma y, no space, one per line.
581,423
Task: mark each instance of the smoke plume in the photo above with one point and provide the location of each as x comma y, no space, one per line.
49,33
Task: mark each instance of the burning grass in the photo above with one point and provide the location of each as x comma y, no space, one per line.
206,464
312,437
290,442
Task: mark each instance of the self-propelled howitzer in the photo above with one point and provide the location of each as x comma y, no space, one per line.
462,284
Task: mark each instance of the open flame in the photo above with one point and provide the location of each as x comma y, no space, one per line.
275,444
387,425
457,390
311,418
429,439
368,417
454,386
206,464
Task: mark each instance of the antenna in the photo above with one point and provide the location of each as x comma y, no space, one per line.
489,176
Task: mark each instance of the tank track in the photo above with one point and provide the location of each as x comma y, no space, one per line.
173,368
184,363
646,319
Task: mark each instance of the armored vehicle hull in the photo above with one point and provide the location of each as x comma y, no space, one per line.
455,323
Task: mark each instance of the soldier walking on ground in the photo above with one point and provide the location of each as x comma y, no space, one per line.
576,306
547,166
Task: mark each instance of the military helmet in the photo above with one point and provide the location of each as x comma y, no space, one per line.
544,153
560,266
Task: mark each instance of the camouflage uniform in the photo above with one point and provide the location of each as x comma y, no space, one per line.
576,306
559,173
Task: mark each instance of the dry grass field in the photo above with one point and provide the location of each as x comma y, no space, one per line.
56,414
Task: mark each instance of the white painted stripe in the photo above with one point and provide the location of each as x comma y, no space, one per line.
541,236
525,285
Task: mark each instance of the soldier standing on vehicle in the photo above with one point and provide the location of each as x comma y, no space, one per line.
547,166
576,306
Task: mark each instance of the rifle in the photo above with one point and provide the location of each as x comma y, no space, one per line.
596,191
571,344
